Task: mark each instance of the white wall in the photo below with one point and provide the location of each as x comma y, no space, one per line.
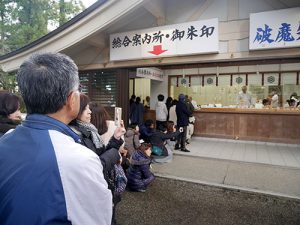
158,87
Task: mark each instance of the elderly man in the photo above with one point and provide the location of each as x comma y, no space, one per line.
244,98
46,177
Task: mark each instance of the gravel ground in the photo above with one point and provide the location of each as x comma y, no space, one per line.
172,202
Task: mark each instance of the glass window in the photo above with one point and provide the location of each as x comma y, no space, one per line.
284,83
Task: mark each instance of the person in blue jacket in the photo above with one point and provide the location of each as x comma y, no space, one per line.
46,176
139,175
183,115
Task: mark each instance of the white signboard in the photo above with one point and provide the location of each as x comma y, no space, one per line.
172,40
150,73
275,29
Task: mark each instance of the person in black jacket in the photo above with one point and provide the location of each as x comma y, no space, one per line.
137,112
109,154
169,102
159,137
146,130
183,115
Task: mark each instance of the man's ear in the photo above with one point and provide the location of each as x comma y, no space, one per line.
72,103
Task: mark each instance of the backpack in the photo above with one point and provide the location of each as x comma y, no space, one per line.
157,150
120,179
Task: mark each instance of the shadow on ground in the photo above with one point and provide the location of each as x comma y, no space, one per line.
172,202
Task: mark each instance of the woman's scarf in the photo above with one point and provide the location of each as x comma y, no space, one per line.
96,138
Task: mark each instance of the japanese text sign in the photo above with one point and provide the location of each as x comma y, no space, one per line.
150,73
172,40
275,29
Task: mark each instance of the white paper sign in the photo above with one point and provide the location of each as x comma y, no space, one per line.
150,73
275,29
172,40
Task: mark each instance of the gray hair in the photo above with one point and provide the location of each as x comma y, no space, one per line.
46,80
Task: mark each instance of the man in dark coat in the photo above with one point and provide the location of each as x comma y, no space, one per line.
183,115
137,112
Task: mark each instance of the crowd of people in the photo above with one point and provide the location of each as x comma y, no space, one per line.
178,112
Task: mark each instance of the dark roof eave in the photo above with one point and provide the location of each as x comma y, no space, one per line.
74,20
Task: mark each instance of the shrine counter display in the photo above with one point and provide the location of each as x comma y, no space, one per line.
271,125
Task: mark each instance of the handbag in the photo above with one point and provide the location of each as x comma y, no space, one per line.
156,150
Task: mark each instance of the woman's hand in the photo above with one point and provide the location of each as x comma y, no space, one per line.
174,128
120,131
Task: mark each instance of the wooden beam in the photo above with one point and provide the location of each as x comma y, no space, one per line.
276,4
201,8
157,9
233,10
98,41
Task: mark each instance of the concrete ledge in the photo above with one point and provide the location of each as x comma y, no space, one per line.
179,153
254,177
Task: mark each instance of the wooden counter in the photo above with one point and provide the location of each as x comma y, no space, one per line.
271,125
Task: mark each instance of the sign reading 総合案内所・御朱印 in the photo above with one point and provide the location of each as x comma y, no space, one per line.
173,40
275,29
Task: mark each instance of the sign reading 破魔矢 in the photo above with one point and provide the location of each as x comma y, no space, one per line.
150,73
275,29
179,39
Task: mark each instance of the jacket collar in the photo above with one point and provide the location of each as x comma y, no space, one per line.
44,122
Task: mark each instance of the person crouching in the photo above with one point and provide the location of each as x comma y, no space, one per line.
139,175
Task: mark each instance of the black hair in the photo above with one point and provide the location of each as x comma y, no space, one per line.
9,103
148,123
169,100
174,102
133,125
160,97
265,101
137,100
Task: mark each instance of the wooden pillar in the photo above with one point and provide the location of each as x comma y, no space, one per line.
123,93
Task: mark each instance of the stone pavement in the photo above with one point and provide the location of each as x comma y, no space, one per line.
174,202
268,168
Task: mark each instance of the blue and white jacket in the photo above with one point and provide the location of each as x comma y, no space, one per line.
48,178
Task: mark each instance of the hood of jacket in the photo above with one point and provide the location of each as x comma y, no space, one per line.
139,158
